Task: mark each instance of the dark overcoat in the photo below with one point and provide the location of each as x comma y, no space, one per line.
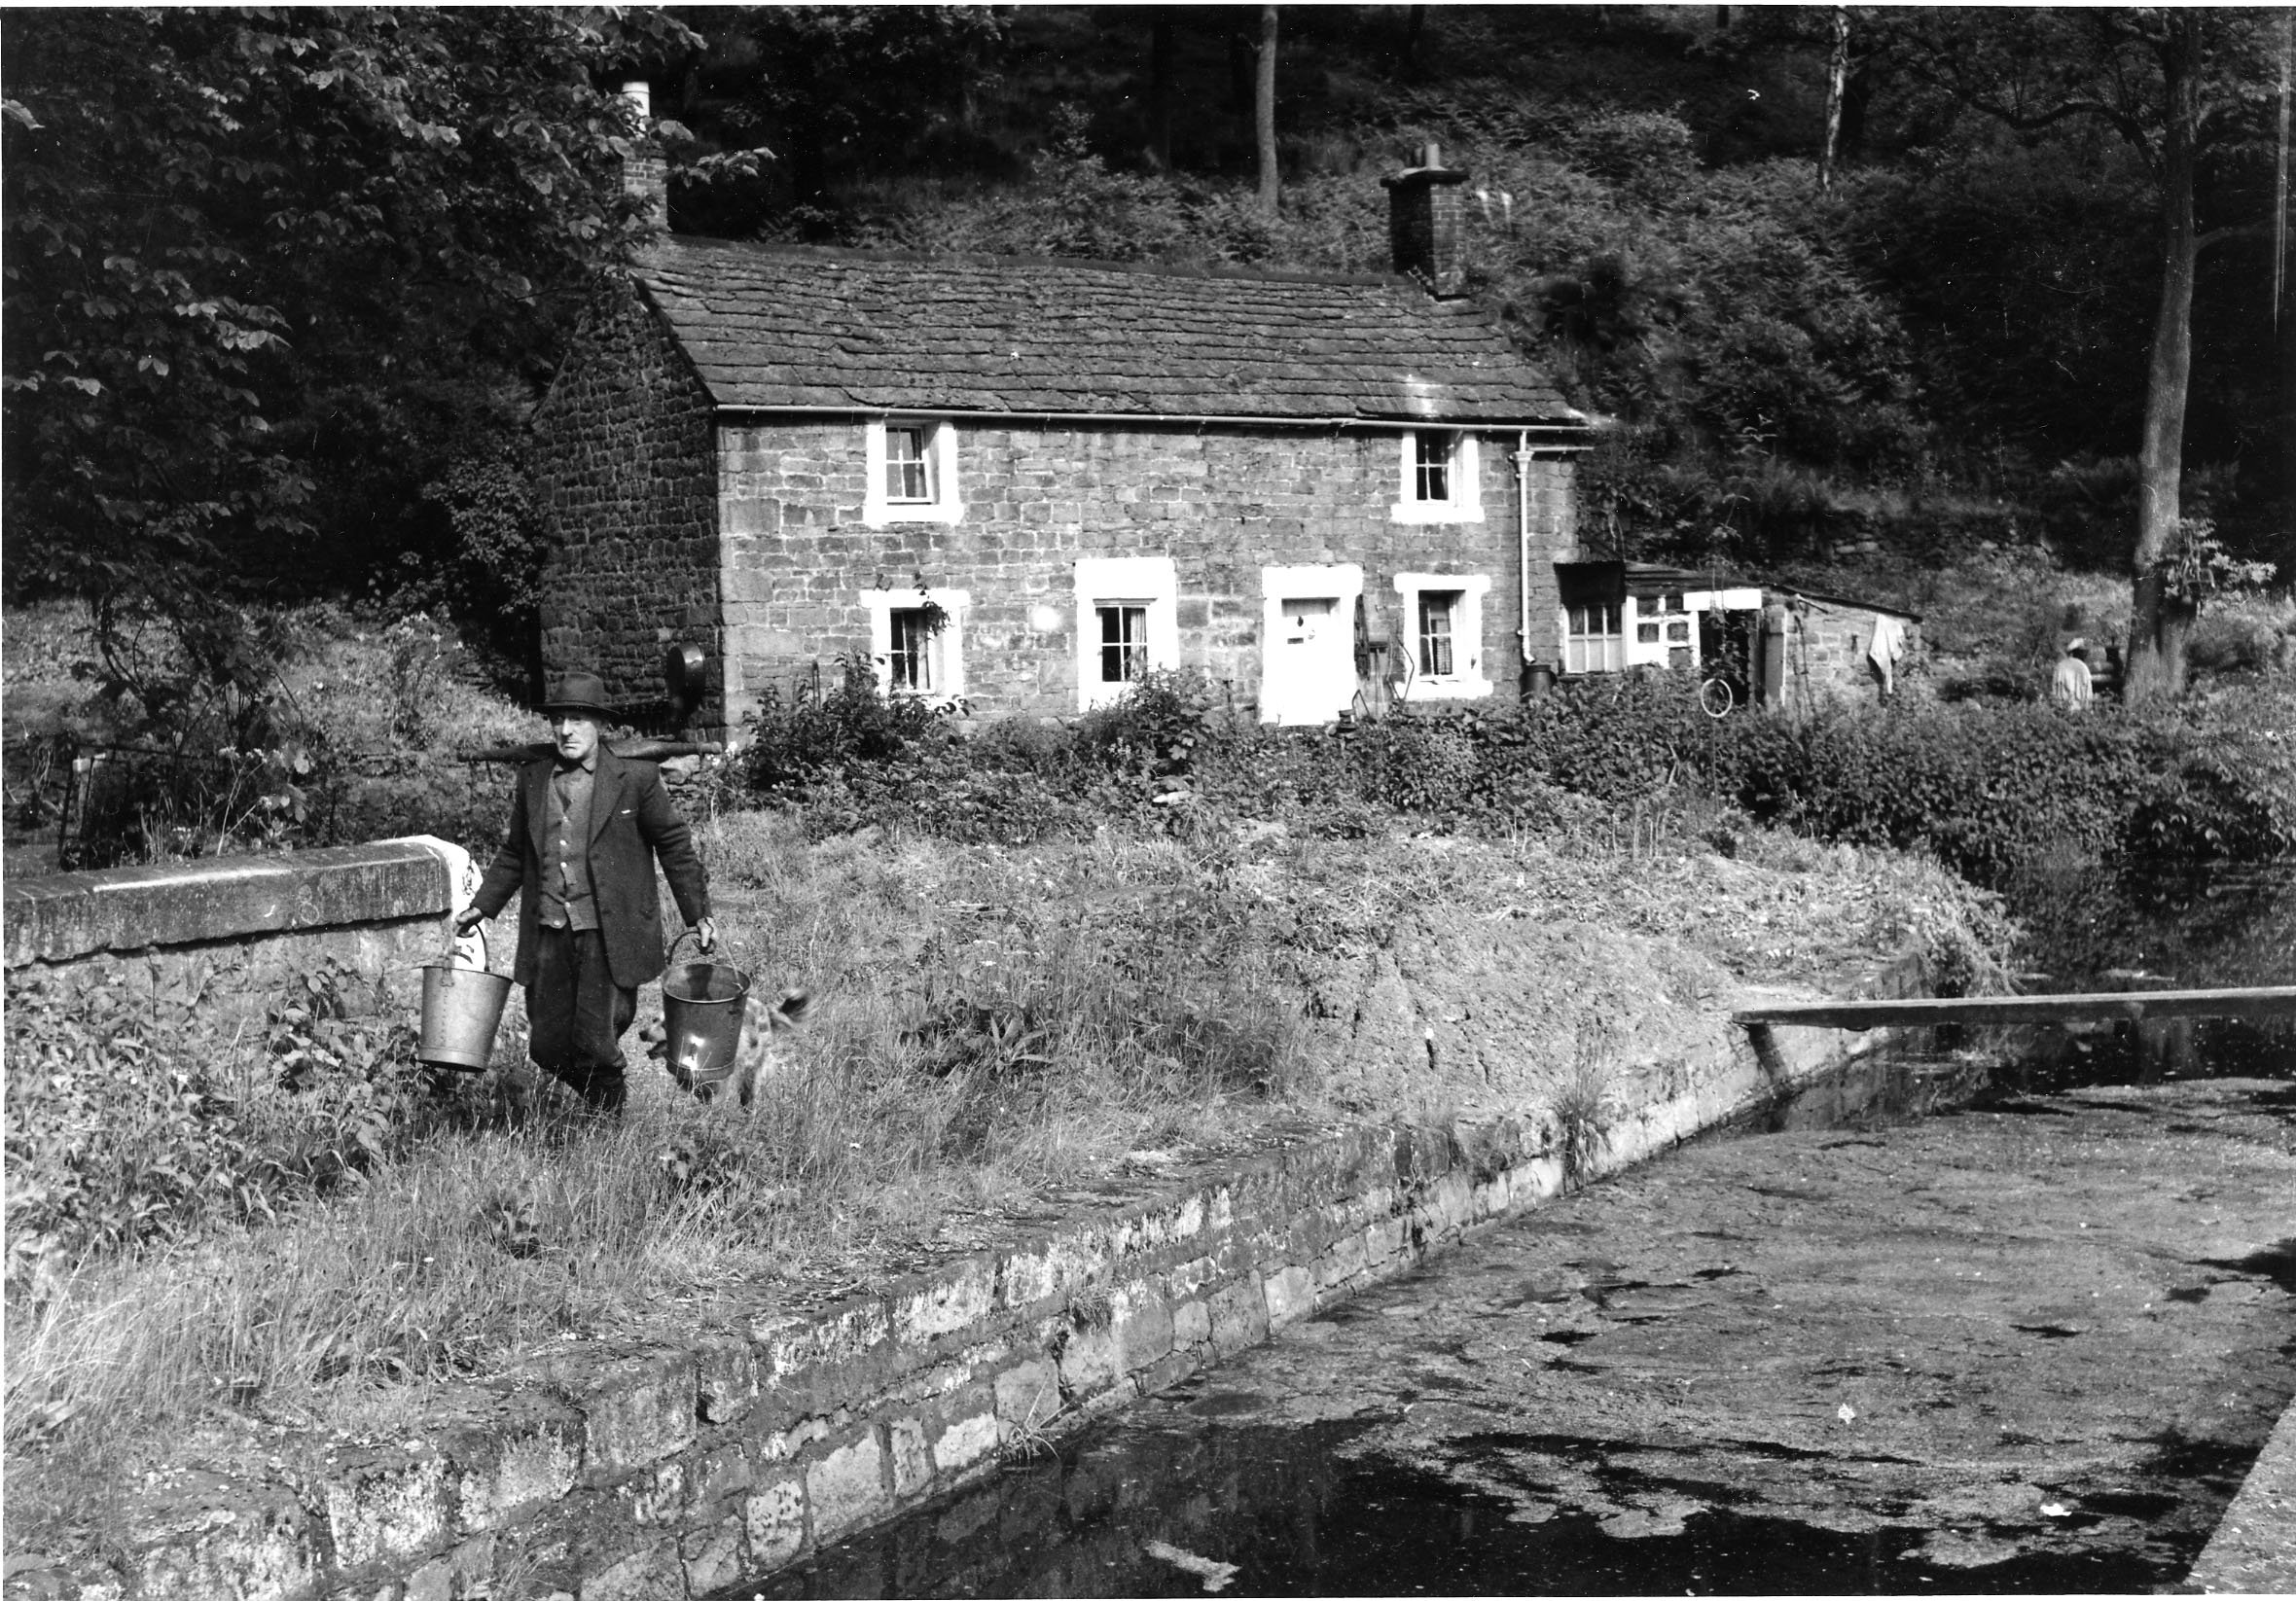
632,822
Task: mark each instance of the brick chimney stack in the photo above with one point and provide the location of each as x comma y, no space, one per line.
1426,224
645,173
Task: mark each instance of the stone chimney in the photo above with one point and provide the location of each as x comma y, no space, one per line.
645,173
1426,224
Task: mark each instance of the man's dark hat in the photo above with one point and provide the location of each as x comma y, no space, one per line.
584,693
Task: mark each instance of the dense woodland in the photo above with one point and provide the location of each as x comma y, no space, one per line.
282,286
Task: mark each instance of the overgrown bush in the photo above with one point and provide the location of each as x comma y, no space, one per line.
131,1120
1990,788
1986,788
2246,633
792,744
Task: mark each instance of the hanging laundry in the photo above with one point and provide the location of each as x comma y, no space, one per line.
1887,648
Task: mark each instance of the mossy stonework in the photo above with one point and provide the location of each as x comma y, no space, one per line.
597,1471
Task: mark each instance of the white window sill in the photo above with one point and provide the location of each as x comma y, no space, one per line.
930,699
885,515
1434,510
1453,686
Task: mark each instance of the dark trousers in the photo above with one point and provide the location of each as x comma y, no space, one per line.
576,1015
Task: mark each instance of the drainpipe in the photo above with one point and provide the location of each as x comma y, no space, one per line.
1523,537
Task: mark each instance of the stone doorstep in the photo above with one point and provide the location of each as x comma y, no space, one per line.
813,1426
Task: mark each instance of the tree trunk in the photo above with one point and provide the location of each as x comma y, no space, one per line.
1413,27
2158,626
1160,88
1836,77
1264,111
2283,306
1857,93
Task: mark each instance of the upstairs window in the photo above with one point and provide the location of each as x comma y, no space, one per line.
1441,477
1433,452
911,467
909,464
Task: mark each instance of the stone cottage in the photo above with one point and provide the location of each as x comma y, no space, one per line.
1018,483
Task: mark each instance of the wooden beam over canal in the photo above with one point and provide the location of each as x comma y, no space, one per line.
2130,1006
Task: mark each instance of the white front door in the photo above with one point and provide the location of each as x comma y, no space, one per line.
1311,675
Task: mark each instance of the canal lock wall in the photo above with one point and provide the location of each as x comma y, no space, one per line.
597,1472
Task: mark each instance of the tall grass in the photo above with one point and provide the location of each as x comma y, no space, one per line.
992,1029
986,1029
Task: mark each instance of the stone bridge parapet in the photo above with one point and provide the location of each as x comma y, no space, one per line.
232,928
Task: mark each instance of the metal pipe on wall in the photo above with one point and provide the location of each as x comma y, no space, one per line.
1522,540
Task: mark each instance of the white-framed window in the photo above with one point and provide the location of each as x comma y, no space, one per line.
917,641
1443,635
909,479
1593,638
1308,642
1127,624
1441,477
912,467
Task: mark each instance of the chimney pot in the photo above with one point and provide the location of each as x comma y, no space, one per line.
645,173
1426,224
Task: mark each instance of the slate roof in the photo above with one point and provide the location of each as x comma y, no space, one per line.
842,330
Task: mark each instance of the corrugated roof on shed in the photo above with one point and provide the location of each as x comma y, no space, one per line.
794,326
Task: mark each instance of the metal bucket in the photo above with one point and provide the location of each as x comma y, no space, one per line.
703,1004
461,1008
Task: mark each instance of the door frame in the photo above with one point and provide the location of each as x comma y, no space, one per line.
1341,582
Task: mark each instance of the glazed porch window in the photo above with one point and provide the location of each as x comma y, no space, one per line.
908,465
1592,640
1123,641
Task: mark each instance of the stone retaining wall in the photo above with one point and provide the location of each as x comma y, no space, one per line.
232,929
601,1472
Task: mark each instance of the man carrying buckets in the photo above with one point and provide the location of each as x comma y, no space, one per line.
586,828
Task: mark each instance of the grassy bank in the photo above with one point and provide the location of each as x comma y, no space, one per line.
1044,959
998,1033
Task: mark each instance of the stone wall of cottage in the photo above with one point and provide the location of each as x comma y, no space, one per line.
1221,502
627,466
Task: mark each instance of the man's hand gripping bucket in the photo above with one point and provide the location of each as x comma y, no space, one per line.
703,1006
461,1008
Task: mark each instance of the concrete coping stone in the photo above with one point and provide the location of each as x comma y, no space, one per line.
60,917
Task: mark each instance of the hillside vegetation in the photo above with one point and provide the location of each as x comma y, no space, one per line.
308,375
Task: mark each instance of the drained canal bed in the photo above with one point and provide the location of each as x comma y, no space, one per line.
2030,1340
2027,1347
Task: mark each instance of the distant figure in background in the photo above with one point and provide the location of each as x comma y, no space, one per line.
2069,685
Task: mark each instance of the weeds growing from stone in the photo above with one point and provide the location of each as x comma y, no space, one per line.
1586,1102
